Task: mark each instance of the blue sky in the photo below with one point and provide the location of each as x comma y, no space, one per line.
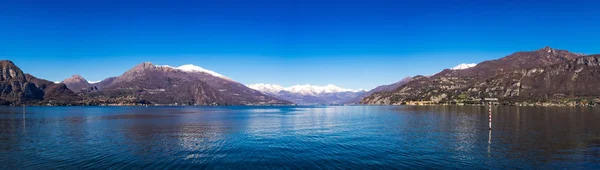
353,44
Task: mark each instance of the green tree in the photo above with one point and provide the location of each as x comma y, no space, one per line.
462,96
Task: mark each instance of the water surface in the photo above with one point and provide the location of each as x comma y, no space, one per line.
344,137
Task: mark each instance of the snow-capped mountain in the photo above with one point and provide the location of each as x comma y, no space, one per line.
163,84
309,94
463,66
193,68
267,88
306,89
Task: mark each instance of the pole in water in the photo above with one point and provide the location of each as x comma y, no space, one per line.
490,115
490,133
489,143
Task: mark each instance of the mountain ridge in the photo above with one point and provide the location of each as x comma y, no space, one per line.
382,88
544,75
19,88
310,94
157,84
492,79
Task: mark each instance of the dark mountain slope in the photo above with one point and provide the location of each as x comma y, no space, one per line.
18,88
382,88
76,83
493,79
148,83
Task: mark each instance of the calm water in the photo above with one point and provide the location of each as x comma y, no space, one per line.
357,137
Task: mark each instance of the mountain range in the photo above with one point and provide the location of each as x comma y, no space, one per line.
310,94
544,76
323,95
184,85
144,84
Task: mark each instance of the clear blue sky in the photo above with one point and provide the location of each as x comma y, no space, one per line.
353,44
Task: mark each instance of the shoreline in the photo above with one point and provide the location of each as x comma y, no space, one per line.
428,105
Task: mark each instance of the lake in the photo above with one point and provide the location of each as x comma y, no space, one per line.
337,137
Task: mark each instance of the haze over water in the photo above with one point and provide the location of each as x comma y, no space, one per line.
345,137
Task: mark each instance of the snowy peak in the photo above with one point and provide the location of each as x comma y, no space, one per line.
310,89
463,66
193,68
306,89
190,68
309,94
267,88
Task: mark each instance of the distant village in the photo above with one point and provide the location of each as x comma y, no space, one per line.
496,102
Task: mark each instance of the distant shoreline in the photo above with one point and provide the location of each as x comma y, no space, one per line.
578,106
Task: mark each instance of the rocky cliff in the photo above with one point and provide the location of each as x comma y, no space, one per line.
18,88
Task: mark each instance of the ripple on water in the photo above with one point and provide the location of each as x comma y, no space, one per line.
352,137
